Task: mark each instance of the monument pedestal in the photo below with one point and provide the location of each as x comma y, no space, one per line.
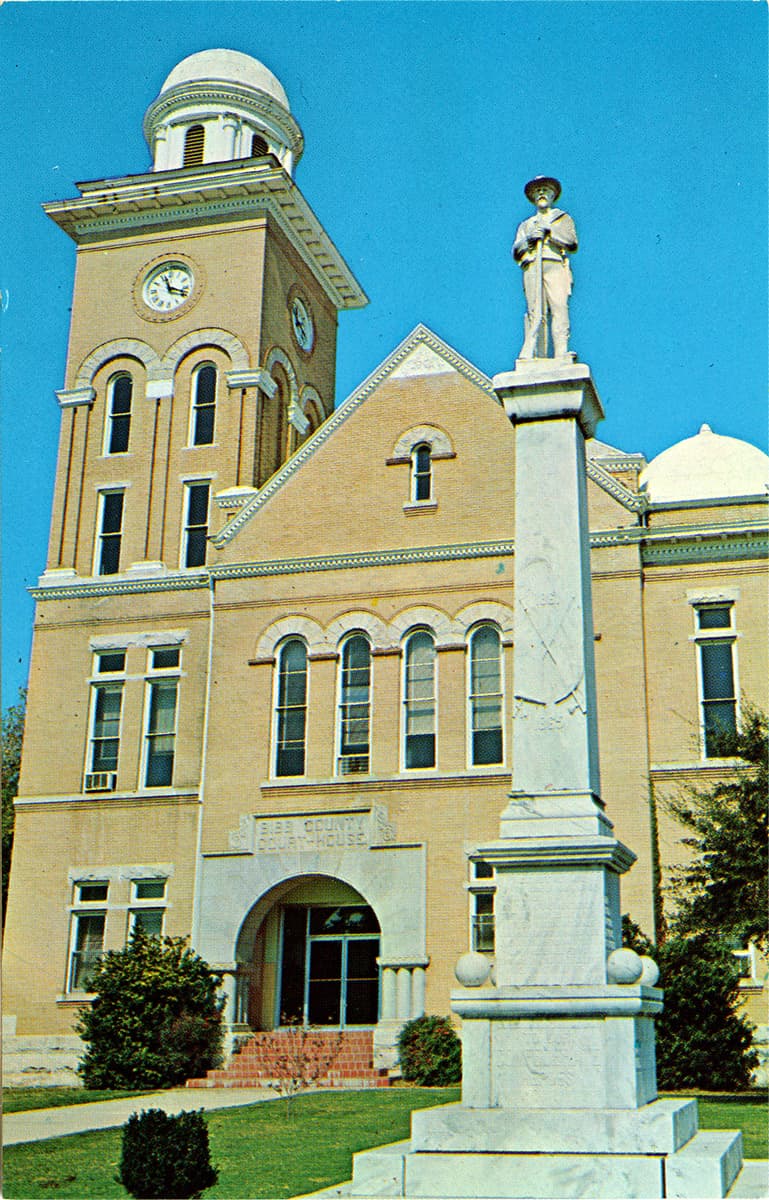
559,1094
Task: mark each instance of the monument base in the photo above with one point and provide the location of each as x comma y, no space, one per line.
512,1154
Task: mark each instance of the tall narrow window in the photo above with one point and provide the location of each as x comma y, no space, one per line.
110,533
419,701
87,933
483,922
194,145
107,701
259,146
195,524
161,719
203,405
291,714
146,914
355,706
485,697
717,669
421,473
119,396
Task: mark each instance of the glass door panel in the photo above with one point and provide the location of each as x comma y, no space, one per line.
293,966
362,983
324,990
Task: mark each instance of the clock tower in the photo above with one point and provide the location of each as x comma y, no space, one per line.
204,321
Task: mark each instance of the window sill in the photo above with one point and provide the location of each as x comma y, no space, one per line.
420,506
76,997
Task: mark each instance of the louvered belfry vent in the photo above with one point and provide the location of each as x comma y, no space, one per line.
194,143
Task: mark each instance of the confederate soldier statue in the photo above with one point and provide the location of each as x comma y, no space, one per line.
542,246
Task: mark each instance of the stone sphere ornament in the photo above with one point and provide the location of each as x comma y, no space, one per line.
650,972
624,966
472,969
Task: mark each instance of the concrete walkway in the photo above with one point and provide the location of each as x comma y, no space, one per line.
41,1123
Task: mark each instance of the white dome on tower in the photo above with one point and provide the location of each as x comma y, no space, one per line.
707,466
227,66
221,106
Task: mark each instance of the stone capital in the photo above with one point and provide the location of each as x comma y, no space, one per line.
544,390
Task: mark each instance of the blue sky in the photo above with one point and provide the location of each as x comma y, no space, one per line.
422,122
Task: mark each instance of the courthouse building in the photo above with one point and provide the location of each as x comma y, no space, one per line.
271,697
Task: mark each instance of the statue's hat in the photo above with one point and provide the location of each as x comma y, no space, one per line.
537,181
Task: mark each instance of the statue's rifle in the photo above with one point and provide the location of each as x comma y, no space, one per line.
540,340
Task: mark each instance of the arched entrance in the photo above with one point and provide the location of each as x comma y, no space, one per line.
312,945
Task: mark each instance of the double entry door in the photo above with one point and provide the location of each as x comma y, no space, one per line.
328,968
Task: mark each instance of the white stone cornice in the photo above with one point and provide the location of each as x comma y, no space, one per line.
632,501
71,397
111,208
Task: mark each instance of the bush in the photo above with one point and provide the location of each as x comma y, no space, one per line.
702,1042
430,1052
165,1157
156,1019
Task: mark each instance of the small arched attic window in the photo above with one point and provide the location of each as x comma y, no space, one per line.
420,447
194,146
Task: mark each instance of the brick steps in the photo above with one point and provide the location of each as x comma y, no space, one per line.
349,1057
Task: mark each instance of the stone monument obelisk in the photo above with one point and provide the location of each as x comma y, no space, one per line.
559,1093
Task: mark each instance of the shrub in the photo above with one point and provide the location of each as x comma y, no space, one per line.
156,1019
430,1052
166,1157
702,1041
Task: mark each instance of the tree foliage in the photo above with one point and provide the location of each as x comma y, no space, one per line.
723,888
12,737
702,1041
156,1019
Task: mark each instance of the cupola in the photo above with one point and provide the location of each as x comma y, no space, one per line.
221,106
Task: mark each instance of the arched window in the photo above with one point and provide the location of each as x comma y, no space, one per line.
291,708
194,145
354,706
421,473
119,396
419,701
203,405
259,146
485,696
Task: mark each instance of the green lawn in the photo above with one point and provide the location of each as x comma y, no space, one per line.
262,1154
22,1099
258,1151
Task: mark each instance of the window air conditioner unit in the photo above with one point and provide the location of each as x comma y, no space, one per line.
353,764
101,781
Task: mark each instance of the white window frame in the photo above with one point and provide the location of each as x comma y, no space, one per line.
480,886
191,443
154,676
118,489
109,415
703,637
187,485
83,908
147,904
405,701
469,695
291,637
338,706
415,475
104,679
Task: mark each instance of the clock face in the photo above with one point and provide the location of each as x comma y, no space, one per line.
168,287
301,323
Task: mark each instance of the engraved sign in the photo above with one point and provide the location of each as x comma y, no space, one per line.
313,832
